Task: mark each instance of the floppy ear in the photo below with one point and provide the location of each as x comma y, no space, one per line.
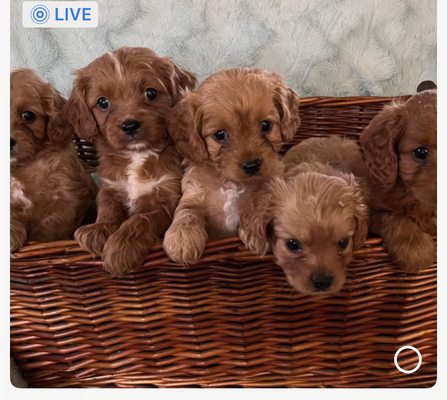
181,80
362,217
256,215
379,143
77,111
361,211
58,131
287,102
185,128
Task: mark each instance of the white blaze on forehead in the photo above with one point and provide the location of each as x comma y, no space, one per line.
117,64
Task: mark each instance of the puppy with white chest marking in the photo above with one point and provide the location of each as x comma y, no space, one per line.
313,217
51,191
230,130
121,102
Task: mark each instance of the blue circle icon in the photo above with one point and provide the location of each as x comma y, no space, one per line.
39,14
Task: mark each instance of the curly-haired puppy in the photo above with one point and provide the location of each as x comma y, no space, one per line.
230,130
399,147
121,101
51,192
313,217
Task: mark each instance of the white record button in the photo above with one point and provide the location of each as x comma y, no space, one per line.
407,371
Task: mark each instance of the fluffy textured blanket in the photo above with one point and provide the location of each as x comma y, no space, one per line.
321,47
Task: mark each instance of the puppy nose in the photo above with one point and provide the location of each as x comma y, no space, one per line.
252,166
321,281
12,143
130,126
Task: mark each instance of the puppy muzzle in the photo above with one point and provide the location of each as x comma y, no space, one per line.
321,281
130,127
251,167
12,147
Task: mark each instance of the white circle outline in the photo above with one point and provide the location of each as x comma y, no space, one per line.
408,371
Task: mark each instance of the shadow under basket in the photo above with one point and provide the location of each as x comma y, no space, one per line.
230,321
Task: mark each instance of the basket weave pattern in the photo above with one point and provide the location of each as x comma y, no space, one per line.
231,320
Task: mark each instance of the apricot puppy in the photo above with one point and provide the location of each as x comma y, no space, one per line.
121,102
312,218
51,192
230,130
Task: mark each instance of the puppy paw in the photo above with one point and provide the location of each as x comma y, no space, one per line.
17,237
121,254
93,237
256,244
413,252
185,243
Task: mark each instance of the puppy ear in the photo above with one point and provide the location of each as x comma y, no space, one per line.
361,210
77,111
379,143
181,80
256,215
362,217
58,131
185,128
287,102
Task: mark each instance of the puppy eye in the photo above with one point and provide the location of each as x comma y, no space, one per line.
220,136
150,93
103,103
28,116
343,244
421,153
266,126
294,245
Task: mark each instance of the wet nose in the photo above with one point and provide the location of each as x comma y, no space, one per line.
12,144
252,166
130,126
321,281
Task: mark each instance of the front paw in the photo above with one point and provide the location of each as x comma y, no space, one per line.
413,252
256,244
185,243
17,237
93,237
121,254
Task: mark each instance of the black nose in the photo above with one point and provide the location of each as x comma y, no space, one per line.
252,166
12,143
321,281
130,126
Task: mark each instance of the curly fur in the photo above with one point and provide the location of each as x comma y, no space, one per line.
236,101
51,192
403,188
140,173
318,202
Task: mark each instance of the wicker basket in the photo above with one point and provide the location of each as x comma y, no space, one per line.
230,321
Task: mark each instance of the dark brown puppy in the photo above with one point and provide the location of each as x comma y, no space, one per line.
50,189
121,101
400,151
